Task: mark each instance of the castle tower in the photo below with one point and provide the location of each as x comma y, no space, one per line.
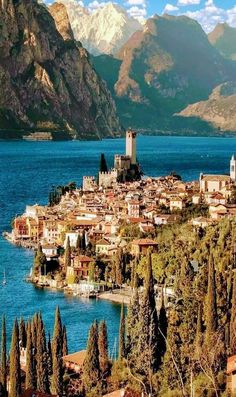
131,145
233,169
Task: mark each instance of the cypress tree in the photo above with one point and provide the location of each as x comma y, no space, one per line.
103,348
163,325
30,380
15,371
57,343
91,367
122,334
119,267
83,242
67,258
132,326
64,342
199,330
22,332
233,320
49,355
148,354
41,366
103,164
4,358
211,306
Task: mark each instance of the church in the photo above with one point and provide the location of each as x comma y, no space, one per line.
215,183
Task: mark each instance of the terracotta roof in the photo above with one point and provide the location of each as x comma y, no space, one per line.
144,241
76,358
103,242
216,177
84,258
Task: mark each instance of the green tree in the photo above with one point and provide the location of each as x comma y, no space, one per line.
199,330
148,353
163,325
103,164
15,372
103,349
22,332
122,353
64,342
233,320
41,358
211,318
30,380
132,327
91,367
57,343
4,358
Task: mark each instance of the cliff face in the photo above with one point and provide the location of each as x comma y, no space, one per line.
46,79
164,68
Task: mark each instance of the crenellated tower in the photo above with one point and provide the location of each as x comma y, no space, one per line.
233,168
131,146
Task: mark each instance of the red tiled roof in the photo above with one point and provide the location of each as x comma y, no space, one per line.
76,358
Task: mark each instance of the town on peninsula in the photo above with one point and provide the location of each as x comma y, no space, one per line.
127,237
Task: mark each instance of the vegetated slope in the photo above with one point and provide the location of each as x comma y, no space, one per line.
164,68
219,109
46,80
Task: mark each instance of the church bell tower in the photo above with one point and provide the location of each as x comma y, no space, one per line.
131,146
233,169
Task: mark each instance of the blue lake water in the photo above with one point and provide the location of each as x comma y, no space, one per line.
27,172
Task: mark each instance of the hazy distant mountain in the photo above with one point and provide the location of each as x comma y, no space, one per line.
219,109
223,38
163,69
46,80
104,31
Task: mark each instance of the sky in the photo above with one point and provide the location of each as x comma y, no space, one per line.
207,12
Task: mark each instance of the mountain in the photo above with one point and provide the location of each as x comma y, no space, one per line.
104,31
223,38
46,79
163,69
219,110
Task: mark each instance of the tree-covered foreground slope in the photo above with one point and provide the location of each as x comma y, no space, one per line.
46,80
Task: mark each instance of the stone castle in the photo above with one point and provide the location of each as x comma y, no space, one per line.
126,167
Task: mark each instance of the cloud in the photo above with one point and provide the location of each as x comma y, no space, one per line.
170,8
136,3
137,12
81,3
210,15
188,2
94,5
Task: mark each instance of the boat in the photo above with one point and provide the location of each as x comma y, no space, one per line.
4,279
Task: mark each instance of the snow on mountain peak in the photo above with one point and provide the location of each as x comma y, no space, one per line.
104,30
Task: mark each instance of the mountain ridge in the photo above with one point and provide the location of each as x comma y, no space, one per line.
102,31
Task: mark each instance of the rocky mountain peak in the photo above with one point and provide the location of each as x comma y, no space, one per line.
46,80
102,31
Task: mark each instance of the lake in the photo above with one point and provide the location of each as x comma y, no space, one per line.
27,172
